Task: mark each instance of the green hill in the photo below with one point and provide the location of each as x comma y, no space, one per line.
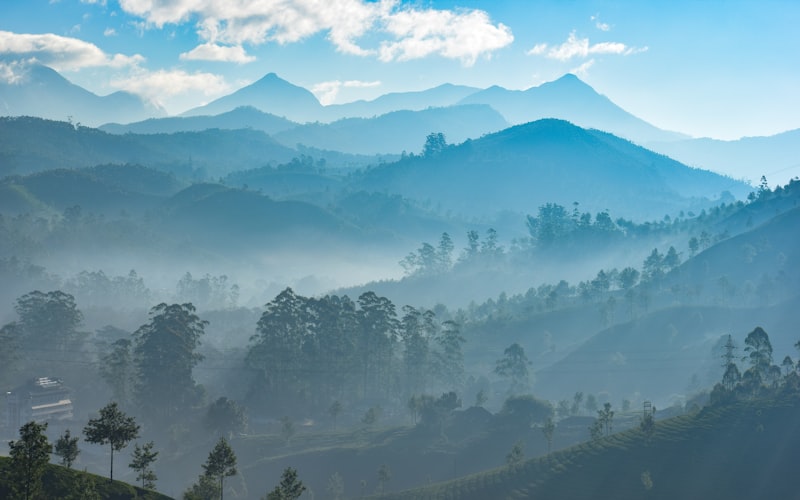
741,451
60,482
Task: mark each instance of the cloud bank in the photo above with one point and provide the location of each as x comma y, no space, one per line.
398,32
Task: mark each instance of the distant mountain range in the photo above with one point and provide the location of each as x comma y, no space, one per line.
525,166
747,158
275,106
44,93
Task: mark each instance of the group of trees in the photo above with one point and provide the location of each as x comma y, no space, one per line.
30,454
761,376
308,352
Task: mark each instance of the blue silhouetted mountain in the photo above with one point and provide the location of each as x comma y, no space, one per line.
437,97
776,156
270,94
569,98
525,166
397,131
43,92
32,144
239,220
239,118
108,189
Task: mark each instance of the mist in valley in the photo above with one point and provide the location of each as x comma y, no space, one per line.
461,292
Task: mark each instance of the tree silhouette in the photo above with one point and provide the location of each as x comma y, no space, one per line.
114,428
29,456
514,367
143,458
221,463
66,447
290,487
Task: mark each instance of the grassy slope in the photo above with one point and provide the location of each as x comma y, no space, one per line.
59,482
744,450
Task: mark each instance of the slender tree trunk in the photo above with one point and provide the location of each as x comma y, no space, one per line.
221,487
111,477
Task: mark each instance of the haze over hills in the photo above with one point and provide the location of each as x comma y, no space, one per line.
747,158
437,97
525,166
397,131
239,118
43,92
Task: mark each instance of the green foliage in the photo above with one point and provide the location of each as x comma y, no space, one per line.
166,353
114,428
514,367
335,488
548,429
523,411
142,460
66,447
29,456
206,488
517,454
225,417
435,143
290,487
221,463
117,369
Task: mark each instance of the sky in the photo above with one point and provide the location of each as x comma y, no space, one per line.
710,68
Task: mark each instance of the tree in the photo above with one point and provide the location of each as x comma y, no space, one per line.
759,351
206,488
606,417
435,143
165,356
384,475
143,458
481,398
451,356
10,335
114,428
335,486
523,411
514,367
287,429
66,447
548,429
517,454
221,463
225,417
577,400
49,319
117,369
334,410
29,456
290,487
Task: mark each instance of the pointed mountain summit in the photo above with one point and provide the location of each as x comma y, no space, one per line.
271,94
41,91
571,99
525,166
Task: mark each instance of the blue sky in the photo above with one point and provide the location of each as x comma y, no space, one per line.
721,69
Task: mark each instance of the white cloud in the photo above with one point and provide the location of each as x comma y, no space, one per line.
109,32
599,24
155,85
581,48
12,72
327,92
583,69
59,52
404,32
463,36
214,52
